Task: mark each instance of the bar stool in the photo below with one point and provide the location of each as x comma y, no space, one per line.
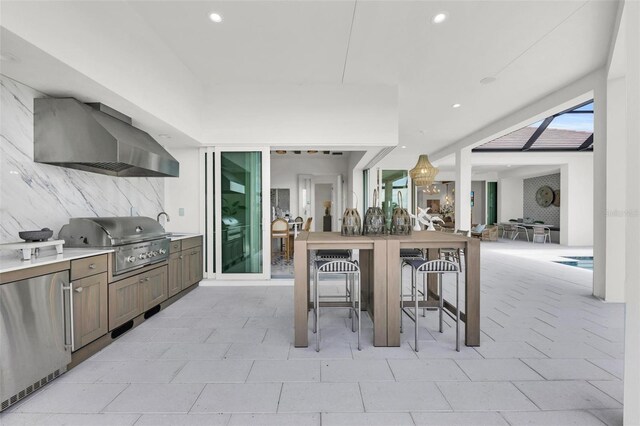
406,254
425,267
335,254
351,270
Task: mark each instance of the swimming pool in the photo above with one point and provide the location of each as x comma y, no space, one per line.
584,262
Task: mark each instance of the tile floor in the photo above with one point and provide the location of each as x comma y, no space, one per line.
550,354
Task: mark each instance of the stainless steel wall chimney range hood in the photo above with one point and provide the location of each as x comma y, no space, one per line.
96,138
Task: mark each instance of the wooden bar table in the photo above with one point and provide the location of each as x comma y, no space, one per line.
433,241
380,275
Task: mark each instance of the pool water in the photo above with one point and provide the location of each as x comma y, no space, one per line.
584,262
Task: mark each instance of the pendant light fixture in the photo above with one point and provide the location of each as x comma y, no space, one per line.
423,173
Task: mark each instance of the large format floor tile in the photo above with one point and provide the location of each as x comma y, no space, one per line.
497,370
156,398
405,396
214,371
369,419
348,370
319,397
566,395
223,355
426,370
489,396
72,398
459,419
238,398
568,369
291,370
545,418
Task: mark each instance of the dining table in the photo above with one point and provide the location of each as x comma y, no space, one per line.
380,266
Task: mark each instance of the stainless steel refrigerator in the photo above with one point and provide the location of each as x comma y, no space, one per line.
35,334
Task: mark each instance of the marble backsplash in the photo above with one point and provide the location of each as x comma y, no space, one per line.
34,195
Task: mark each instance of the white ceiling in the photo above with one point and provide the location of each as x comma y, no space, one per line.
533,48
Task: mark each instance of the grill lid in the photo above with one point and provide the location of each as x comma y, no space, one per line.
110,231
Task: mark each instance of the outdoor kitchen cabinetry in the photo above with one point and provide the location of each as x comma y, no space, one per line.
191,266
135,295
89,292
153,286
185,264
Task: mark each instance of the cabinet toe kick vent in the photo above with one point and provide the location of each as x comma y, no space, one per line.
122,329
29,390
151,312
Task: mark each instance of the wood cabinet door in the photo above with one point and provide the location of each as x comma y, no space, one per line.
124,301
89,309
175,273
192,266
153,288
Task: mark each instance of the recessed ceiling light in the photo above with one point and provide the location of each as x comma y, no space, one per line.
487,80
508,165
456,106
439,18
215,17
403,146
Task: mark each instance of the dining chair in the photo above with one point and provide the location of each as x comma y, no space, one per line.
280,231
519,229
307,225
541,232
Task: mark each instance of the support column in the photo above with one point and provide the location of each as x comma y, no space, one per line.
576,206
616,201
599,184
632,284
463,189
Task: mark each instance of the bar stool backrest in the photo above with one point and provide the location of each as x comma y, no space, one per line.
337,266
438,265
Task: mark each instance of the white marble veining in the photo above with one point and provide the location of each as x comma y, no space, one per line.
48,257
34,195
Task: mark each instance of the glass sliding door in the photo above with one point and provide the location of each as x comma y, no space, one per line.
236,188
241,216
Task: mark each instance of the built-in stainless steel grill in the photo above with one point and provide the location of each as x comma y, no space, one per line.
138,241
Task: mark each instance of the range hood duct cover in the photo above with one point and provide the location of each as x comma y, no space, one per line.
71,134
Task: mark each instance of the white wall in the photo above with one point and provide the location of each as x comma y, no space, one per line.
301,115
184,193
117,50
510,198
478,211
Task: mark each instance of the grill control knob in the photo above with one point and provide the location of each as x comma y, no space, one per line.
142,256
130,258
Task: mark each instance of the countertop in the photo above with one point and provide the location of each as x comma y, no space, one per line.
50,256
8,265
182,236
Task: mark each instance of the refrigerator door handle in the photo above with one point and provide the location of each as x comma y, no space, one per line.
68,316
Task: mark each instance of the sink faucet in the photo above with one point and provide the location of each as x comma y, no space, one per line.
163,213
